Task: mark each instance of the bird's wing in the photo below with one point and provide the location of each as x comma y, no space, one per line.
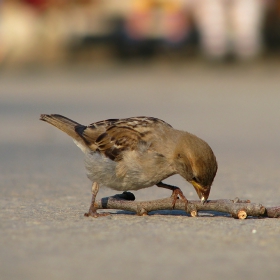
115,136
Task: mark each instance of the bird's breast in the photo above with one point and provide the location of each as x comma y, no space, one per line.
133,172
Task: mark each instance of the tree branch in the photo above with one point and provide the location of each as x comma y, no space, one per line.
239,209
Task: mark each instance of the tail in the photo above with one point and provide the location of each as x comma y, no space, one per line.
66,125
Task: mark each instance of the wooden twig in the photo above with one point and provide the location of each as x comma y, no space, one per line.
239,209
272,212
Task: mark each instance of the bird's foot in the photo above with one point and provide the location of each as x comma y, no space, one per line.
178,193
92,209
175,193
93,213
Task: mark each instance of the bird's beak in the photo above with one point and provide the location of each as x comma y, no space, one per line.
203,192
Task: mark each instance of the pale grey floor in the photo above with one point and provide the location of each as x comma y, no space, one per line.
44,191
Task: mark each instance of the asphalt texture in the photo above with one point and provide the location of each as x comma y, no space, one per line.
44,191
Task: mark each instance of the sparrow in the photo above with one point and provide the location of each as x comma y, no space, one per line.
139,152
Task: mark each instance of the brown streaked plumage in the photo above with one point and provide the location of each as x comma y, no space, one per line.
139,152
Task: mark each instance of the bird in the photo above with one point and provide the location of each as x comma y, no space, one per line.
139,152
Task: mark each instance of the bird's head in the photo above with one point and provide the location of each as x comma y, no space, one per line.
197,163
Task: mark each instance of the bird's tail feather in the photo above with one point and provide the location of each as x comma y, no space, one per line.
62,123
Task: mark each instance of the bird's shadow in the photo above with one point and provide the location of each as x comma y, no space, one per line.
204,214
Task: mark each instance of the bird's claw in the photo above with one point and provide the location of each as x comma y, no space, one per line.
93,213
178,193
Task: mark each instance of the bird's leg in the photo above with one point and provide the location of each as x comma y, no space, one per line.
175,193
92,209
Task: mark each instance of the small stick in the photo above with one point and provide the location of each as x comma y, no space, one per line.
194,213
273,212
240,209
242,215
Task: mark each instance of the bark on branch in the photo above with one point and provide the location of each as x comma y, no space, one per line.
239,209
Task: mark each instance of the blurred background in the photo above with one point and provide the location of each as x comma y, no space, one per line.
58,31
210,67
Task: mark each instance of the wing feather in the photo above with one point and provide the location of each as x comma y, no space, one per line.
115,136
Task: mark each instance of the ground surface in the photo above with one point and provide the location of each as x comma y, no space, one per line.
44,191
